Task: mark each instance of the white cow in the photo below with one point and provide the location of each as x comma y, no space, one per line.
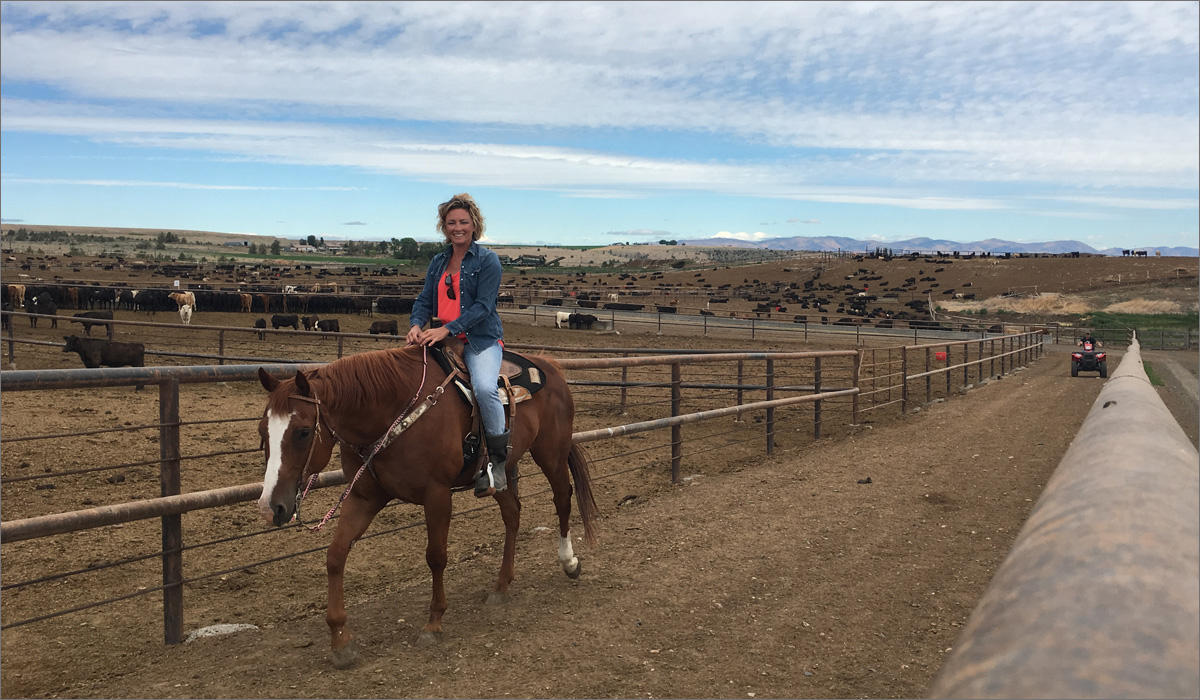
561,319
185,313
612,297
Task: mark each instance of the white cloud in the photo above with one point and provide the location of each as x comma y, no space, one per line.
1166,203
922,100
174,185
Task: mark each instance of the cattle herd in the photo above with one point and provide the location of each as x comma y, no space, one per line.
851,290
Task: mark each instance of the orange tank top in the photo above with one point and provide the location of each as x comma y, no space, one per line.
448,309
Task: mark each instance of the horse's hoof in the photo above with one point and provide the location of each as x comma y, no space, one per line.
498,598
346,656
573,572
428,639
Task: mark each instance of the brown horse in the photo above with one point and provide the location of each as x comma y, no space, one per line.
358,400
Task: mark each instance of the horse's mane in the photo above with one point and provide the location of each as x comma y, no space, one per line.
377,378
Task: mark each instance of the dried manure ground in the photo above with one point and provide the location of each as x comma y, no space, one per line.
755,576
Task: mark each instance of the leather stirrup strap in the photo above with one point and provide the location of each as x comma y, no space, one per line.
512,402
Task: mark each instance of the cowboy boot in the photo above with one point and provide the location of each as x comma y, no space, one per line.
492,477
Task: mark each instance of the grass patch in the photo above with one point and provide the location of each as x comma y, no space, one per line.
1155,380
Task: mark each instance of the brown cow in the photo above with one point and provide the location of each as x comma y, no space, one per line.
73,297
266,302
183,299
16,295
247,302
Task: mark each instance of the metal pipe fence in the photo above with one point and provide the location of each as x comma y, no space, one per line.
246,344
1100,594
179,463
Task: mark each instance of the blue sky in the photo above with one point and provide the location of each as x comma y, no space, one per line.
596,123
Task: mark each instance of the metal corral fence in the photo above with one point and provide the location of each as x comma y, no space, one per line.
793,397
222,344
1100,595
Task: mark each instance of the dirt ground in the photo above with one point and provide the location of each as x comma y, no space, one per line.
755,576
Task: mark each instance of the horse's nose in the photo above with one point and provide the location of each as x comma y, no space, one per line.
281,515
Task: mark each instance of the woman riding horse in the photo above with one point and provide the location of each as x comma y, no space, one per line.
462,284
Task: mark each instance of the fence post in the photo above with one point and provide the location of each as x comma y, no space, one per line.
676,430
340,341
705,319
947,371
624,384
110,330
172,525
966,367
928,379
752,329
992,354
903,379
856,375
817,403
737,417
12,343
534,309
770,411
221,347
659,322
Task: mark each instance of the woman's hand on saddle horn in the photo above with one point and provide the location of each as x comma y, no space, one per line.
433,336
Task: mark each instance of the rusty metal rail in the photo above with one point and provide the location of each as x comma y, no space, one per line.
1100,595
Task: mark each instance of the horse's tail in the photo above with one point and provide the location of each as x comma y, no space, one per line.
580,466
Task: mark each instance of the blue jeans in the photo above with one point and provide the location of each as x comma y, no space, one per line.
484,367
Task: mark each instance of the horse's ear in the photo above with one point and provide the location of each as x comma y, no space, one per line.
269,382
302,385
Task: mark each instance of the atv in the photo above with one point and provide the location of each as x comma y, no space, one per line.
1088,359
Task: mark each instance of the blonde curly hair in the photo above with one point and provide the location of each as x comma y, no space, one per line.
461,201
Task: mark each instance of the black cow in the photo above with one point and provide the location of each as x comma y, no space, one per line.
5,319
583,321
328,326
282,320
87,327
125,299
103,298
309,322
106,353
385,327
260,323
42,304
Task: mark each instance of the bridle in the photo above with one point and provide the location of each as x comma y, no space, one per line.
403,422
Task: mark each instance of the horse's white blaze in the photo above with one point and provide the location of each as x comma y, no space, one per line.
276,427
566,553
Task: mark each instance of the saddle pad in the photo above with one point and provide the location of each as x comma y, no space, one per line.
524,376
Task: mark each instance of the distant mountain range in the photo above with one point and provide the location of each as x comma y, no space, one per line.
927,245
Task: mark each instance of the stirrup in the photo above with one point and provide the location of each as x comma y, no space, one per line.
490,480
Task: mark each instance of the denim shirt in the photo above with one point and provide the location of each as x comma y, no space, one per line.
478,286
